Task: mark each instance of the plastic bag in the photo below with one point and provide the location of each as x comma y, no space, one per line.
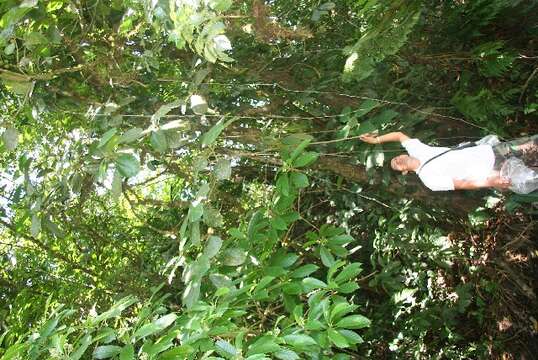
524,180
491,140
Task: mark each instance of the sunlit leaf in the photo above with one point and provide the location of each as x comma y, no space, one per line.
127,165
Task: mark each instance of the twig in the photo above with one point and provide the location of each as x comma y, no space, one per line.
527,84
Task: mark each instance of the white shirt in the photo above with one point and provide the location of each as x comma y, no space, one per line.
472,163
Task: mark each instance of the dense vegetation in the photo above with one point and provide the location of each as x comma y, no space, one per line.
183,180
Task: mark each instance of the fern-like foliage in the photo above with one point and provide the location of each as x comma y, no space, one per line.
492,61
477,15
484,107
388,25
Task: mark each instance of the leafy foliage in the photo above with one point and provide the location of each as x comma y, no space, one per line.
180,181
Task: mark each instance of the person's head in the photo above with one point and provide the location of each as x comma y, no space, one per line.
403,163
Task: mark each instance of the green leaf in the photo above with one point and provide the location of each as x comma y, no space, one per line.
158,141
266,280
212,217
127,165
314,325
10,49
226,349
220,5
304,270
195,233
10,137
35,38
341,309
263,345
213,245
223,169
313,283
282,184
13,15
366,107
209,137
116,309
179,352
351,336
191,294
23,88
234,257
279,223
349,272
336,338
15,352
106,137
354,322
284,259
35,228
287,354
305,159
299,179
340,240
116,188
300,148
82,347
348,287
127,353
130,135
292,288
165,109
299,340
326,257
106,351
196,212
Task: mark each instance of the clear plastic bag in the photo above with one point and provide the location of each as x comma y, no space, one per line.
491,140
524,179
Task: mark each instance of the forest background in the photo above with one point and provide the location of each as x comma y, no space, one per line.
183,180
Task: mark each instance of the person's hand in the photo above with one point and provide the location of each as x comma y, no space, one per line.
369,138
500,183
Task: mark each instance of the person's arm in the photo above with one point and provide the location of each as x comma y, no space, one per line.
390,137
495,181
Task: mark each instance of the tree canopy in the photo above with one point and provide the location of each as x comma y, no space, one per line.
183,180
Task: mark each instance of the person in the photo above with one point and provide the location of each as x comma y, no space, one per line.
473,167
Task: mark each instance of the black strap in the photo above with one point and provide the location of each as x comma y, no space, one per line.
461,146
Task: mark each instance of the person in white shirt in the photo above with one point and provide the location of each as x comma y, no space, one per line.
468,168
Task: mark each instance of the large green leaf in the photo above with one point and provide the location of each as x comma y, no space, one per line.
82,347
106,351
354,322
106,137
304,270
336,338
226,349
348,272
299,340
223,169
131,135
234,257
158,140
209,137
305,159
127,165
127,353
10,137
212,246
155,326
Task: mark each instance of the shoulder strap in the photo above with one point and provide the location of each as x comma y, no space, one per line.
457,147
